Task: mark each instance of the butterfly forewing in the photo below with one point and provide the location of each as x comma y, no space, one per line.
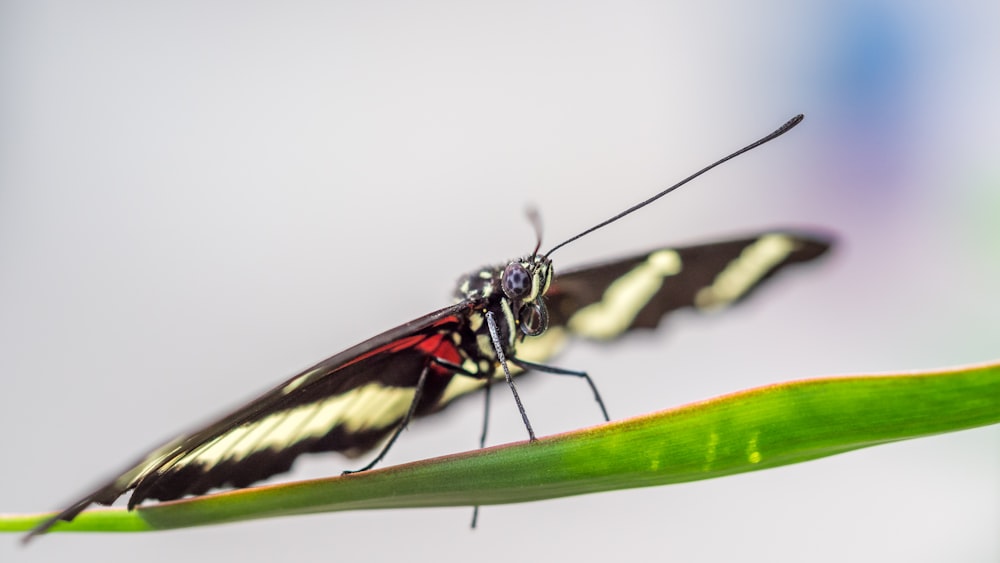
347,403
606,300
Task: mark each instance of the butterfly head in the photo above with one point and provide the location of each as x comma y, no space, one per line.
524,282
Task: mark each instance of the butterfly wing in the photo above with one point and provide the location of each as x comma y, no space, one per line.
347,403
604,301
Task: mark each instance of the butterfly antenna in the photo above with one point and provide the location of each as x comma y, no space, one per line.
774,135
536,223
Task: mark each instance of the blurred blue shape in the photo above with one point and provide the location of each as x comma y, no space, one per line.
870,84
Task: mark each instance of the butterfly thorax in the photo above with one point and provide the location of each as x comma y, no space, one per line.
513,293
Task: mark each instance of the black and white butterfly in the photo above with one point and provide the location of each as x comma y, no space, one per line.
506,319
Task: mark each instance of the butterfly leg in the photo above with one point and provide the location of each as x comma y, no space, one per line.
486,389
526,365
495,336
486,416
418,392
482,442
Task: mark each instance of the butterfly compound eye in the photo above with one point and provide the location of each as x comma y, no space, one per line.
534,319
516,281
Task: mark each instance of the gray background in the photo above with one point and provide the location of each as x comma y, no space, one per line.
198,199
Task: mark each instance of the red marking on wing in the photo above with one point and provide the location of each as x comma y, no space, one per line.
434,344
439,346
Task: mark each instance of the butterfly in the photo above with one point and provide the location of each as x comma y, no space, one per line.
505,319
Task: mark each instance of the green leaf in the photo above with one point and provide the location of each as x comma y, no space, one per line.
746,431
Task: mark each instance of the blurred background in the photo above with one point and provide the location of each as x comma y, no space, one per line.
198,199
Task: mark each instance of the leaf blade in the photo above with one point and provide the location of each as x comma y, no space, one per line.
746,431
